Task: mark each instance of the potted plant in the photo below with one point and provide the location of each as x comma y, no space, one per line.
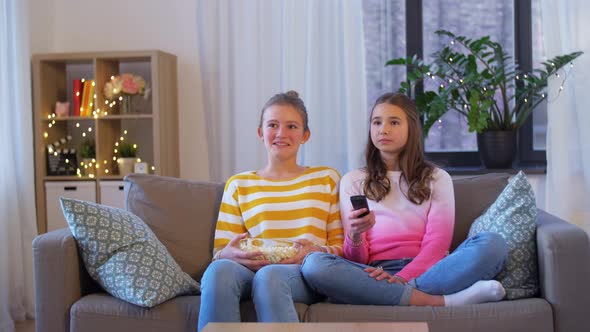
477,79
127,155
88,155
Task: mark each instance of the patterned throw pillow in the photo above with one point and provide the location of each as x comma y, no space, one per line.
513,216
124,256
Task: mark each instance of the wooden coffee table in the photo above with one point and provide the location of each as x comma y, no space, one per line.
317,327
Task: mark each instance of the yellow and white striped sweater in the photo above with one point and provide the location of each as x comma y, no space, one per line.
305,207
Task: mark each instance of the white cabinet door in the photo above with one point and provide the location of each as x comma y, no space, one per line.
82,190
112,193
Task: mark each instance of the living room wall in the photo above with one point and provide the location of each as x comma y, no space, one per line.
70,26
108,25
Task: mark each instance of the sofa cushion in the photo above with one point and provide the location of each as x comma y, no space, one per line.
513,215
474,194
182,214
123,255
100,312
520,315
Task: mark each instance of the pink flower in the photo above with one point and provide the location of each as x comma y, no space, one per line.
125,83
129,86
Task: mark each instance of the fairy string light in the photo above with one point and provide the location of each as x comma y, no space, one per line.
105,165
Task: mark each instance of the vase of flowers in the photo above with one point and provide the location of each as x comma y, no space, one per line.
121,89
126,104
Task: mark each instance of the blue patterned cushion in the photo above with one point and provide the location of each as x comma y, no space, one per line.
513,216
124,256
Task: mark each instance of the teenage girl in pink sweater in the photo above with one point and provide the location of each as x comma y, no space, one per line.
397,254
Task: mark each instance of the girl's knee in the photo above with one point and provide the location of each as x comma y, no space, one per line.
222,266
267,275
493,250
272,282
495,244
317,257
221,272
313,260
314,266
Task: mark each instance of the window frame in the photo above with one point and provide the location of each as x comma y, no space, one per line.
523,56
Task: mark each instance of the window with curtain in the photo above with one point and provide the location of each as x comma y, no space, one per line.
387,36
472,19
384,24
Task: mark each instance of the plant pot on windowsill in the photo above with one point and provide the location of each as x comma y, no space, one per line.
478,80
497,148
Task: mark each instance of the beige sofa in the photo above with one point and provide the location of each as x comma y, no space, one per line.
183,213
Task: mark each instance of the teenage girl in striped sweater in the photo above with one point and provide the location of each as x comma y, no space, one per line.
397,254
284,201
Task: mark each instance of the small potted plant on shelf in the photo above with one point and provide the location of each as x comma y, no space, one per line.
87,156
477,79
127,156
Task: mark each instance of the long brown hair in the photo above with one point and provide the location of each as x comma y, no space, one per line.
416,171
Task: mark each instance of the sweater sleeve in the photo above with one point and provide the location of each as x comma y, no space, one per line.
334,223
229,222
350,186
439,227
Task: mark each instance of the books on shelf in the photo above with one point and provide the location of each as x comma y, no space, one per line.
77,88
87,102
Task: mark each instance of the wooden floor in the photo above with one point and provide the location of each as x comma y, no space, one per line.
26,326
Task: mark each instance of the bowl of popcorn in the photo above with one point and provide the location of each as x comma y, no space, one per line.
273,250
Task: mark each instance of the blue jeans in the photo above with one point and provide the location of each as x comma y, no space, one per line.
273,289
481,257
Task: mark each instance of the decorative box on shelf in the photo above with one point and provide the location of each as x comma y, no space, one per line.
61,160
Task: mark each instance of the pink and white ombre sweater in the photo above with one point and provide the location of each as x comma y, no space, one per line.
402,229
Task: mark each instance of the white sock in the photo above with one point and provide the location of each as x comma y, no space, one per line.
480,292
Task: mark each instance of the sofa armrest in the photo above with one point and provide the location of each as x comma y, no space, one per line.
57,279
564,269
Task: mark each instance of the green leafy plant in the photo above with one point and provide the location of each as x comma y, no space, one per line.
127,150
480,82
88,149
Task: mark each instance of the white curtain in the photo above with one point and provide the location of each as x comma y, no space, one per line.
384,24
250,50
565,30
17,198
